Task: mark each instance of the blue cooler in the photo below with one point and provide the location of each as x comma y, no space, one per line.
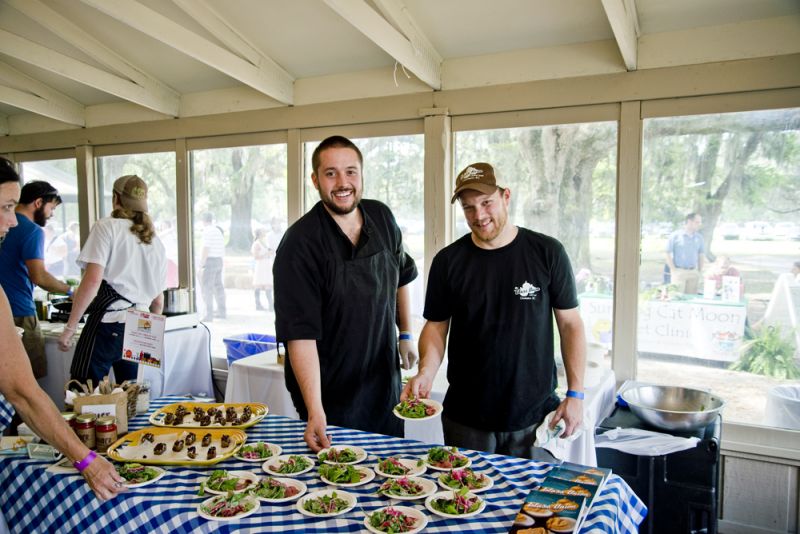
244,345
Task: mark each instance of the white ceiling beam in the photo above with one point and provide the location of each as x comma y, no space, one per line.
63,65
77,37
219,27
422,63
273,82
20,90
396,12
624,22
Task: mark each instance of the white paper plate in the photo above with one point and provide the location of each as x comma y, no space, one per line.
436,468
370,474
348,497
361,454
449,495
207,502
430,402
160,475
276,451
415,470
489,484
289,482
273,463
422,519
238,474
428,488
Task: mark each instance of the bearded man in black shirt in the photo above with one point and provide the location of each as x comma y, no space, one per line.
496,291
340,278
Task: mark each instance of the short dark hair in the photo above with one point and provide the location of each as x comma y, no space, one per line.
334,141
33,191
691,216
7,171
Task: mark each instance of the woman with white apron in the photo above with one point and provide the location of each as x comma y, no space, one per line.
125,266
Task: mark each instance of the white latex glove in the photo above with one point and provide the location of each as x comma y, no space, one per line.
408,352
65,339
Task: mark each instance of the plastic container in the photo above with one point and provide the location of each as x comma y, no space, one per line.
244,345
783,406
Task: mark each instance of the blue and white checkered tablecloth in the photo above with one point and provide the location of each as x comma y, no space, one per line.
34,500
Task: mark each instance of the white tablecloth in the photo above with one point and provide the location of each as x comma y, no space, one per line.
185,368
260,378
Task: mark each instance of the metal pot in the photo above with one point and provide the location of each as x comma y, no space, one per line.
176,300
672,407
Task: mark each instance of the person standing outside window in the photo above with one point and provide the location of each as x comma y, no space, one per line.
22,266
685,250
495,292
211,263
341,288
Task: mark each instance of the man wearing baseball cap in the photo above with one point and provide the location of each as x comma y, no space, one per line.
22,266
495,291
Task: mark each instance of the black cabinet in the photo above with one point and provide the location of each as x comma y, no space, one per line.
680,489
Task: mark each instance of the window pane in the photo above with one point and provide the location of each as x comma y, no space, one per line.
393,173
62,231
721,317
158,172
563,183
243,192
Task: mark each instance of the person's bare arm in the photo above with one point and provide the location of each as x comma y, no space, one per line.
39,276
19,386
408,353
573,351
432,343
305,364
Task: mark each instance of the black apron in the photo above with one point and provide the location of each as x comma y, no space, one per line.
359,365
106,296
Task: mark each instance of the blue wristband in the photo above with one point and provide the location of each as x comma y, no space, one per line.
575,394
405,336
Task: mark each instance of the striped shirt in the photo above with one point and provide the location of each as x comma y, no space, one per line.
214,241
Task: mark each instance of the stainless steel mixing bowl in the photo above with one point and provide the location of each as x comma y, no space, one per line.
672,407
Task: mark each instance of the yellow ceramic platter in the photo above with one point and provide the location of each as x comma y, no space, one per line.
158,417
130,447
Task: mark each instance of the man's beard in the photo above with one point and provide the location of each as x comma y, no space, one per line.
337,209
39,217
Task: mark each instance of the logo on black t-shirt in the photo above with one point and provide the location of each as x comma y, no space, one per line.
527,291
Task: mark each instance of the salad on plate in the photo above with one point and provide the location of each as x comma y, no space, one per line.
278,489
414,408
222,481
394,467
459,503
345,475
257,452
465,478
446,458
137,475
407,488
289,464
396,519
228,506
326,503
342,454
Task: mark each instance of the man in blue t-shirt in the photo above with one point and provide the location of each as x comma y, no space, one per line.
22,266
684,252
495,291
